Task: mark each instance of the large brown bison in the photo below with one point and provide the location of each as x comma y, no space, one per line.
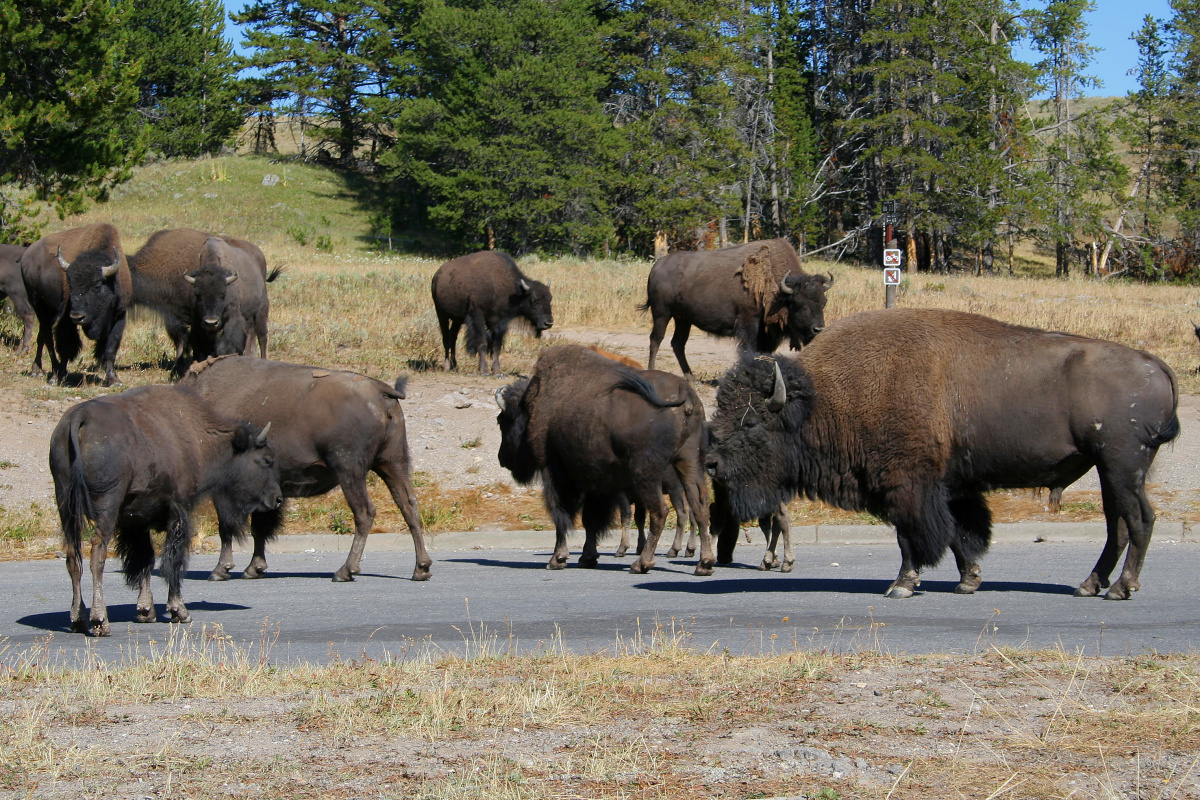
486,291
755,292
594,431
330,429
231,307
12,286
78,277
140,461
913,415
165,272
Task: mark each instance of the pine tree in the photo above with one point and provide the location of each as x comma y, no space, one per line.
1182,132
67,91
187,89
505,139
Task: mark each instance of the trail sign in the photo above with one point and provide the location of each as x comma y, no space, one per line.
891,257
891,276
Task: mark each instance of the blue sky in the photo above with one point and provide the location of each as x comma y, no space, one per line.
1110,25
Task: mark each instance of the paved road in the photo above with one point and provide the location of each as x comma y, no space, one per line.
507,599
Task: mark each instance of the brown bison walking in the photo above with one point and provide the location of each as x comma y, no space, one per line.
596,432
913,415
755,292
486,291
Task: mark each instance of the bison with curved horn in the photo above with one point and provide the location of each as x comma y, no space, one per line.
754,292
913,415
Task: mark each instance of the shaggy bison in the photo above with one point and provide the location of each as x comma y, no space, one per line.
230,305
140,461
913,415
165,272
13,287
78,277
330,429
597,431
755,292
487,291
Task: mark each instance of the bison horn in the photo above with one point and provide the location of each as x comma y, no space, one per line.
230,279
827,280
783,287
524,286
499,395
112,268
262,437
61,261
778,398
189,278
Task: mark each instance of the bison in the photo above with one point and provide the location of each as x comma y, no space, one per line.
164,272
12,286
230,307
487,291
330,428
597,431
913,415
78,277
755,292
140,461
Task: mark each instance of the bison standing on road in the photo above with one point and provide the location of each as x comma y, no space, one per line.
596,430
12,286
487,291
330,429
164,280
78,277
755,292
913,415
140,461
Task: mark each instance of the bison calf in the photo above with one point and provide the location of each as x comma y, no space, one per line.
486,291
913,415
330,429
140,461
597,431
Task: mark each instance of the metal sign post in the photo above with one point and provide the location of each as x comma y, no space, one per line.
892,258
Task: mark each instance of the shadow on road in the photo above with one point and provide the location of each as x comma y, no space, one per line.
720,586
60,621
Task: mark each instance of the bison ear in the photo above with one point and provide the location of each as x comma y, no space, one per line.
243,437
778,398
61,261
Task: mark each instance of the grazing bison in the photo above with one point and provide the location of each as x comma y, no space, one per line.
487,291
13,287
78,277
330,429
597,431
230,307
913,415
755,292
163,281
140,461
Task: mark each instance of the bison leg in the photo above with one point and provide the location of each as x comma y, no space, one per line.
264,525
109,353
228,530
626,516
99,618
726,528
355,489
562,503
695,489
449,329
75,571
597,516
909,578
678,340
767,525
25,311
974,522
1130,522
656,336
682,516
783,526
657,510
396,477
174,560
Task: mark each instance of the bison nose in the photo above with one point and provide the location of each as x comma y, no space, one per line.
211,322
712,465
77,317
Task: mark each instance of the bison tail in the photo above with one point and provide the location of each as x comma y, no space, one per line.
1167,433
630,381
400,386
274,273
76,508
644,307
176,546
137,556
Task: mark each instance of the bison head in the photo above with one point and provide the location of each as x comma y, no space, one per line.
210,295
754,455
95,298
515,454
804,298
534,304
251,481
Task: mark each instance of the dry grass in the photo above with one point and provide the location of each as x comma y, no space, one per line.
654,719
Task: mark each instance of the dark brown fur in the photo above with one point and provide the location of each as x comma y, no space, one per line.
913,415
12,286
329,428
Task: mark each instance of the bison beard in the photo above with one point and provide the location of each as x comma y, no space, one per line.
914,415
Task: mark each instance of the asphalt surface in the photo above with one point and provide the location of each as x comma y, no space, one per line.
485,599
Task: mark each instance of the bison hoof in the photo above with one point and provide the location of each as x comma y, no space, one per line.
788,566
899,592
421,573
1118,591
100,627
342,576
621,551
691,551
146,615
79,626
640,568
674,551
704,569
588,562
966,588
180,616
1089,588
219,574
252,572
557,563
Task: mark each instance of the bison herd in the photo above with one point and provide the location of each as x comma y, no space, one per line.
911,415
